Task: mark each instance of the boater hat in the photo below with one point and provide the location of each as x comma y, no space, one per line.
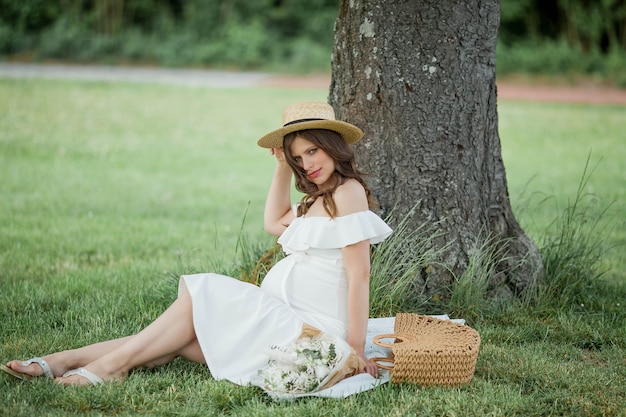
309,115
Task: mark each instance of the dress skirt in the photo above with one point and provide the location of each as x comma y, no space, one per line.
236,323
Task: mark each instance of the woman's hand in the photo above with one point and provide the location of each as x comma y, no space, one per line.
370,367
279,153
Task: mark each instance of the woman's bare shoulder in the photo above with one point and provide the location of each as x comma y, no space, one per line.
350,198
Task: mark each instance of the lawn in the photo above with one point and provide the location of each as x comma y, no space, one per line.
109,191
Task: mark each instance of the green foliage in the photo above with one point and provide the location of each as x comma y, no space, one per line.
65,39
30,15
614,66
560,58
6,37
536,36
246,44
556,37
257,34
584,25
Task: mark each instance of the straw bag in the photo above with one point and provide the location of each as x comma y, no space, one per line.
430,351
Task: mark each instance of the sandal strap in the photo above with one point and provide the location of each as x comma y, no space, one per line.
90,376
44,365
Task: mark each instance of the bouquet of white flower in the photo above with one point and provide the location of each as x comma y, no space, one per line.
313,362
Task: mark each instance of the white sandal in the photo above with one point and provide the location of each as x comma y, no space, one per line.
88,375
44,366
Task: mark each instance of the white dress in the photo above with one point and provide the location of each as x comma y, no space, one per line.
237,322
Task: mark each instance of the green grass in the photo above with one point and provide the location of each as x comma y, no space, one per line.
110,191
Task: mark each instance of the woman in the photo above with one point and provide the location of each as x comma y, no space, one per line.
323,283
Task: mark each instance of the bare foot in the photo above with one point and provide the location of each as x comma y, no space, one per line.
34,369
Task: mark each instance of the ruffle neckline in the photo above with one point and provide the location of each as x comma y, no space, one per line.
325,233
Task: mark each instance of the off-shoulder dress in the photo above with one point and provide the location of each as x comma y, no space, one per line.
236,322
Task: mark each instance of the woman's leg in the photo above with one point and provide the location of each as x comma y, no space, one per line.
170,335
191,352
61,362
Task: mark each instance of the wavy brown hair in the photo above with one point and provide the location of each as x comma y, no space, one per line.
336,147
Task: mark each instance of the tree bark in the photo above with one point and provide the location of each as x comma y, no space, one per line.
418,76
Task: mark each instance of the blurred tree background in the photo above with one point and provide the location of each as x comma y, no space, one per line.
547,37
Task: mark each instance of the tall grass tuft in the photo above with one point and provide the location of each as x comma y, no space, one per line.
399,265
572,248
469,293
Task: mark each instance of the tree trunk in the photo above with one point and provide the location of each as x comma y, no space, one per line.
418,76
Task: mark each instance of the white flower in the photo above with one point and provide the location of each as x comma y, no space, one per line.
321,371
279,355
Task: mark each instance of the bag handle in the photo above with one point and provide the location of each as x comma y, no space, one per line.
388,363
400,338
383,363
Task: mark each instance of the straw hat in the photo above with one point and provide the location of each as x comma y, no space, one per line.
309,115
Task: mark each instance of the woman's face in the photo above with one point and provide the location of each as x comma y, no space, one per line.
317,164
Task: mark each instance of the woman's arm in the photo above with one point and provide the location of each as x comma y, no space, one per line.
351,198
357,262
278,213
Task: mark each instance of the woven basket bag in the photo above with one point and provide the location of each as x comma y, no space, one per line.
430,351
